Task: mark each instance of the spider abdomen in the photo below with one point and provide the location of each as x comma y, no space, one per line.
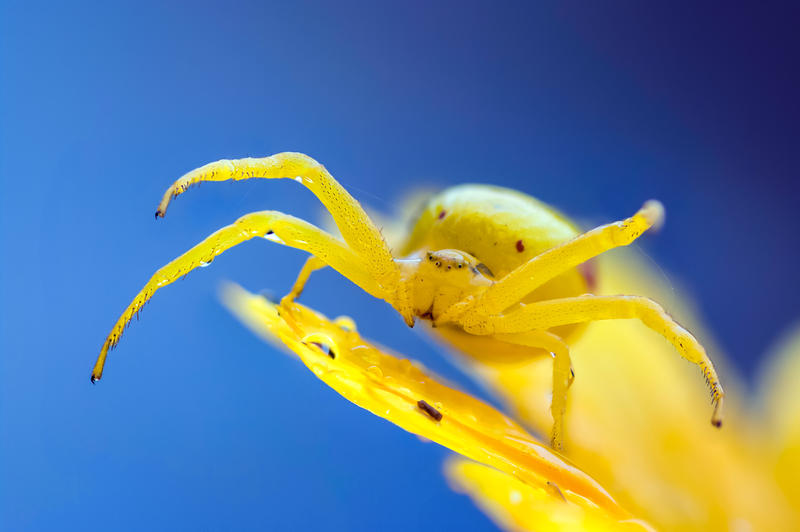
503,229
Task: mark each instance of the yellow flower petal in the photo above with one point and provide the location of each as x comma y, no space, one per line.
514,505
781,397
401,392
637,420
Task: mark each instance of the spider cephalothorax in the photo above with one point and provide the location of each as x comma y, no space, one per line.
490,266
441,279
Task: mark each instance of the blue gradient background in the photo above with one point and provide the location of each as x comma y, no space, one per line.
593,109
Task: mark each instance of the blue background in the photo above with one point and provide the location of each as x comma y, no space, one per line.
593,109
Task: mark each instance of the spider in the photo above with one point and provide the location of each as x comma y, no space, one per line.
496,272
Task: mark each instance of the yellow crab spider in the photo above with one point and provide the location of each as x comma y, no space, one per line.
498,273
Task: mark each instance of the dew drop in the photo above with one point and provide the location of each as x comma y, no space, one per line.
345,323
204,264
272,237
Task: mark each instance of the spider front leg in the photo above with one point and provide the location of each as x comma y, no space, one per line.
544,315
357,229
551,263
562,375
275,226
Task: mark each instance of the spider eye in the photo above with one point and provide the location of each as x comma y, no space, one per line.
460,265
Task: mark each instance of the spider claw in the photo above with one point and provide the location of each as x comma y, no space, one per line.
653,210
94,379
716,417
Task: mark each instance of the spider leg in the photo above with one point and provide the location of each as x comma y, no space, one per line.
311,265
562,374
272,225
357,229
549,264
546,314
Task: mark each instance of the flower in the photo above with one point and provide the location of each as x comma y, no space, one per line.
634,421
402,392
639,450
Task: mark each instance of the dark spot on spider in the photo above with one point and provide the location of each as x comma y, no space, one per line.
428,409
484,269
325,349
270,232
588,270
520,246
442,214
